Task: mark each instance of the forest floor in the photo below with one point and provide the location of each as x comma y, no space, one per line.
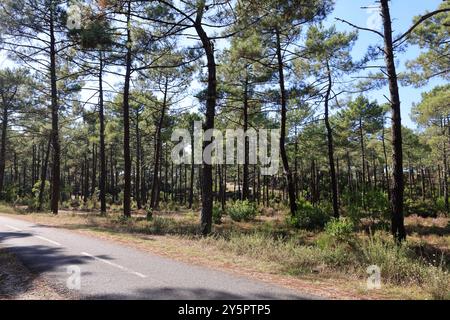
173,235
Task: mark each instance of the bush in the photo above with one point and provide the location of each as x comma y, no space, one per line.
340,229
242,210
217,213
424,209
374,205
440,205
308,217
46,196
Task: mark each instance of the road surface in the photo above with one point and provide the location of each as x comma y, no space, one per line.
109,270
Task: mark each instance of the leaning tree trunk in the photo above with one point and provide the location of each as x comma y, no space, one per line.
287,171
334,188
55,115
397,228
207,196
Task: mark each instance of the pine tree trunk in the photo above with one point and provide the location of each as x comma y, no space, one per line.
3,146
126,124
55,116
287,171
138,164
208,46
330,145
103,173
397,228
44,176
245,184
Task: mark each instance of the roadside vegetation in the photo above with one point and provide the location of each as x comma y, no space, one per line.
270,244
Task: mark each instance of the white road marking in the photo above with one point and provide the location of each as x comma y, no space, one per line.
114,265
39,237
14,228
49,240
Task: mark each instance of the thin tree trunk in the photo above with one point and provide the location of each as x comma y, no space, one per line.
44,176
103,173
158,144
245,183
287,171
3,146
334,190
138,164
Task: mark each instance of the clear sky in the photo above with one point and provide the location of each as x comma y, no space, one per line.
402,12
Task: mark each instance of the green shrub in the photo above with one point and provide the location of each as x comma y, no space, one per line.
424,209
440,205
242,210
308,217
46,195
217,213
149,213
374,205
340,229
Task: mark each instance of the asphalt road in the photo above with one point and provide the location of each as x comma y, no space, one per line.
109,270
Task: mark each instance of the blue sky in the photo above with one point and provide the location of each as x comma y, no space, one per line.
402,12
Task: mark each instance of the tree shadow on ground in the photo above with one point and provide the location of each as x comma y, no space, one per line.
21,264
174,293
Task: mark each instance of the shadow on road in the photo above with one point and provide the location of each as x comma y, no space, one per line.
174,293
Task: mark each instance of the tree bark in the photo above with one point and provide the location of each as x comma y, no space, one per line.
208,46
126,123
137,183
334,189
397,228
287,171
158,144
55,116
245,184
44,176
3,146
102,182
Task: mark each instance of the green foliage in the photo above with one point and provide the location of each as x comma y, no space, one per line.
422,208
340,229
242,210
373,205
217,213
149,213
308,216
46,194
9,193
440,205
